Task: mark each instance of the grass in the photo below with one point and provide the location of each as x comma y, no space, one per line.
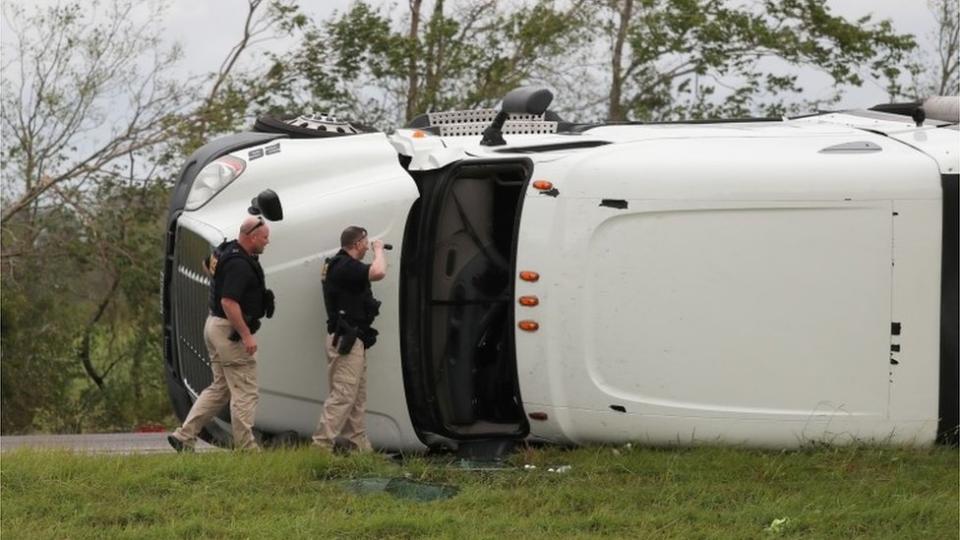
851,492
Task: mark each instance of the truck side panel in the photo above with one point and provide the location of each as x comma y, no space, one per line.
753,304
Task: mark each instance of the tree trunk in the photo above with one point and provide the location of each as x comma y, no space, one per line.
84,352
616,112
412,75
434,56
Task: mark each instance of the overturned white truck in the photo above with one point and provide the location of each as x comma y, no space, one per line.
759,282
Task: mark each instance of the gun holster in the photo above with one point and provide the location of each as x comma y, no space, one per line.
269,303
345,336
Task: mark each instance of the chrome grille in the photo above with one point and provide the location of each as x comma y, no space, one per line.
190,290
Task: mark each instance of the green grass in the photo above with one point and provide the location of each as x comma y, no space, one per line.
863,492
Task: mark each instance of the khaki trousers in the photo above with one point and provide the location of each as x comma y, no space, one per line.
234,380
345,407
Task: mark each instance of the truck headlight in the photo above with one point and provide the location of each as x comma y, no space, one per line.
212,179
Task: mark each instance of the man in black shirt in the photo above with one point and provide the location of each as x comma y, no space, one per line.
351,310
238,300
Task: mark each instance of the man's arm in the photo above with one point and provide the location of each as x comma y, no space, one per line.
378,268
232,309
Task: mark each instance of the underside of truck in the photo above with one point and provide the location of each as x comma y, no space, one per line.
457,271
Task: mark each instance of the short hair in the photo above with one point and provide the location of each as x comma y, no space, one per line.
352,235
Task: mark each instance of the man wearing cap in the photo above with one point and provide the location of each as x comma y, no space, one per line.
238,300
351,309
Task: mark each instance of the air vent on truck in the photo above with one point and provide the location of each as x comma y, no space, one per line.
309,126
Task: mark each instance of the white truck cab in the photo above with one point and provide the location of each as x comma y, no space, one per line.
762,283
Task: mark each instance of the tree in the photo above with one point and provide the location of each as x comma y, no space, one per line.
87,95
946,13
94,121
668,57
235,90
936,74
79,98
383,70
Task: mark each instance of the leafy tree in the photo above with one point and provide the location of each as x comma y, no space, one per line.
946,13
94,124
75,97
936,73
669,57
86,96
382,70
236,89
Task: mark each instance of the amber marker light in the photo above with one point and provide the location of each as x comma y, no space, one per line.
529,326
527,275
419,134
529,301
542,185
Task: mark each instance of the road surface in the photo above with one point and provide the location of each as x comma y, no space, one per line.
100,443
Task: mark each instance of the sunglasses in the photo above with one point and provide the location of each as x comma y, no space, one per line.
259,224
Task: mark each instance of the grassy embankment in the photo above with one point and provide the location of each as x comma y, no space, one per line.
607,492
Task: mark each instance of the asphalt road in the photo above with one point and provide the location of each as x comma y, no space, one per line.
100,443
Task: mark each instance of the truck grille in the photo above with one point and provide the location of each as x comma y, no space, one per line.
190,289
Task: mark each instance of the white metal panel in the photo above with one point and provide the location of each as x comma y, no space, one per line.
775,169
933,138
747,310
942,144
745,293
916,306
592,426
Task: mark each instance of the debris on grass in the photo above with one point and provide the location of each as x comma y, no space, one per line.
478,465
777,526
401,488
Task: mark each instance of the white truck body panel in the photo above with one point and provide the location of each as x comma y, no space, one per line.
745,293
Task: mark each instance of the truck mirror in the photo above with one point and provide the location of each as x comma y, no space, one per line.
526,100
267,203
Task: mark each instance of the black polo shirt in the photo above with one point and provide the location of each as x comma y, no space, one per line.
348,282
239,278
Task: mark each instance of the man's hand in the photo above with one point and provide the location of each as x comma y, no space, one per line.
378,268
232,310
250,344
